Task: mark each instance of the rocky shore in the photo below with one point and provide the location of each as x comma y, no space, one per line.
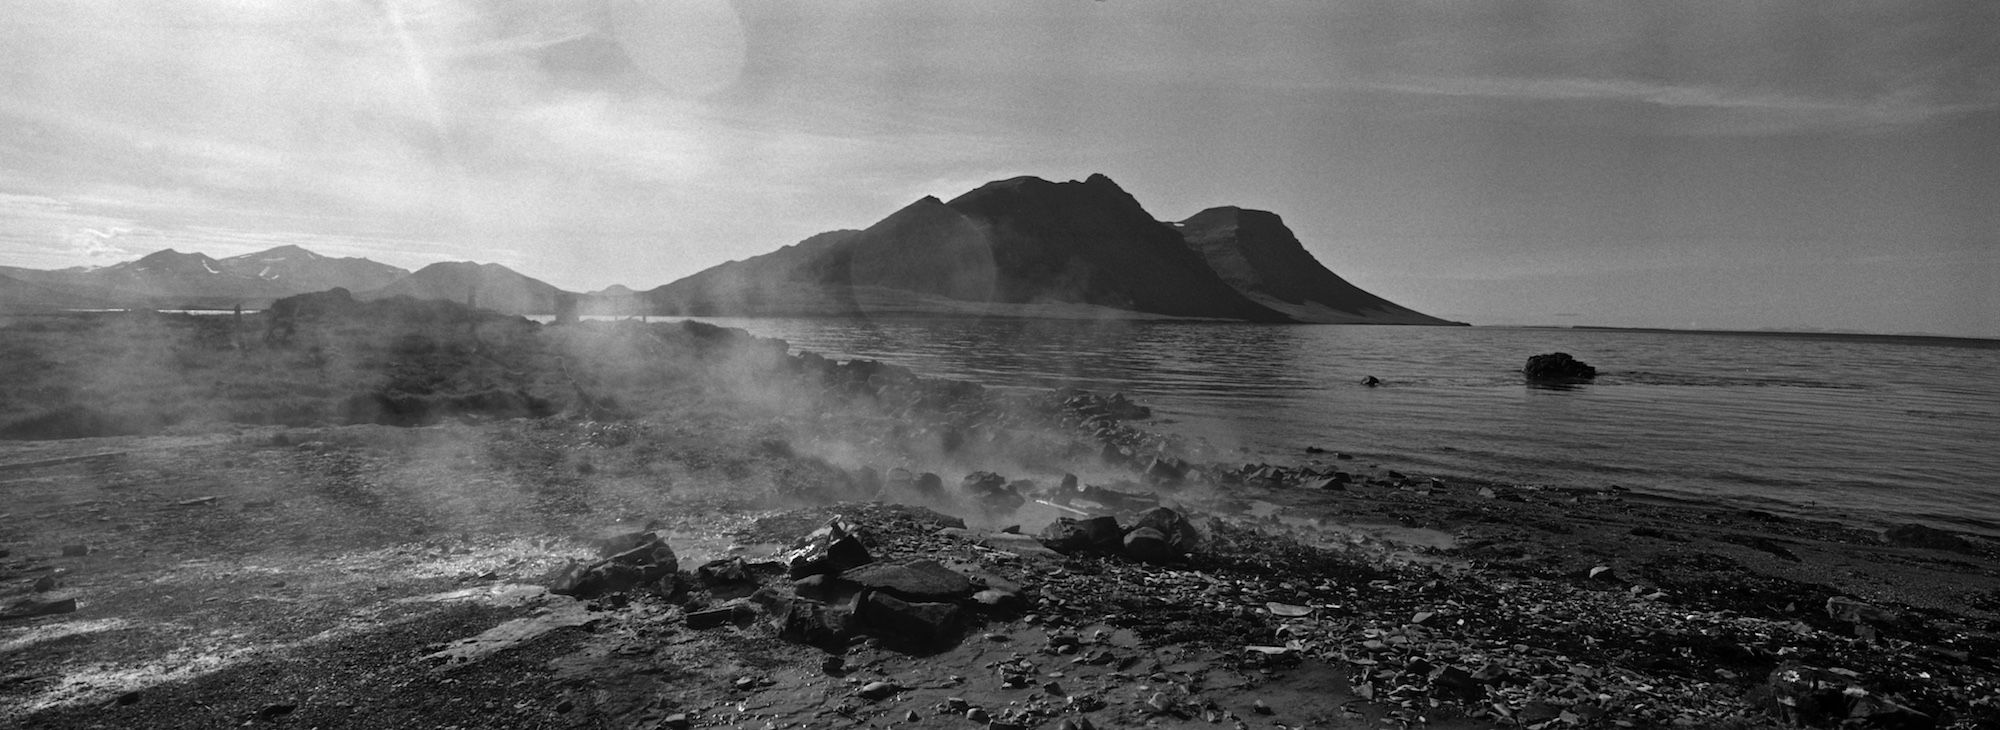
849,545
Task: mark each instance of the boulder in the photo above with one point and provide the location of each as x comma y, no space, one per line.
726,571
1151,545
992,492
915,580
814,624
1557,367
645,564
1179,533
830,549
1067,535
930,485
908,622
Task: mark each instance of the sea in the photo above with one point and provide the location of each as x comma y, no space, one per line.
1869,430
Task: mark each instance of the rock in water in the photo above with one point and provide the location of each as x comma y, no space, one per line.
1558,367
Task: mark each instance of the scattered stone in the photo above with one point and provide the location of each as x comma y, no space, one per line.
726,571
1260,708
814,624
916,580
272,712
1841,608
75,551
911,716
677,721
715,617
1287,610
44,584
995,599
977,714
1602,572
878,690
1180,535
1557,367
197,501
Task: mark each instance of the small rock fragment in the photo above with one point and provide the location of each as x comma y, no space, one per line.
878,690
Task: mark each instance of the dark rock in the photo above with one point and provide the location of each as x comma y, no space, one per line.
1808,696
992,491
1557,367
1180,534
878,690
274,711
1067,535
726,571
915,580
75,551
677,721
44,584
32,607
647,564
915,623
1371,381
1841,608
1456,683
930,485
1166,471
814,624
1326,483
1148,544
1920,536
738,614
830,549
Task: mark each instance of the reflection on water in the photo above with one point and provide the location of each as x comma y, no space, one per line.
1873,431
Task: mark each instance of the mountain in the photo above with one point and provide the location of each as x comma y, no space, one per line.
1256,254
297,269
170,278
1021,247
1034,248
490,286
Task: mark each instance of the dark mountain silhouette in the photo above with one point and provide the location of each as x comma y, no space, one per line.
170,278
1256,254
1024,247
1030,247
489,286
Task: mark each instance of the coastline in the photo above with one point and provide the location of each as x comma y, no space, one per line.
304,574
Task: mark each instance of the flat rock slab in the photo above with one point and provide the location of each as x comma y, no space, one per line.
561,614
1023,545
915,580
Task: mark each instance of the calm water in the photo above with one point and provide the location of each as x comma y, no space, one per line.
1871,432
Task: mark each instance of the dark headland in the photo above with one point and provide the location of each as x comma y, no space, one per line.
1028,247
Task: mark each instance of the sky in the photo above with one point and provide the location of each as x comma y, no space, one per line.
1796,165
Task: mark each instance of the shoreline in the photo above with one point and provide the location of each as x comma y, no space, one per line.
316,574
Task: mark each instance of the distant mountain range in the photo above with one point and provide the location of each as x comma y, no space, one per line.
1024,247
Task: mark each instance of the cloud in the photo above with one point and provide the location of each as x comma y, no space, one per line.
1751,110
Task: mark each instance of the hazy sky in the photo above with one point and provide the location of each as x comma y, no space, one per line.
1728,164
